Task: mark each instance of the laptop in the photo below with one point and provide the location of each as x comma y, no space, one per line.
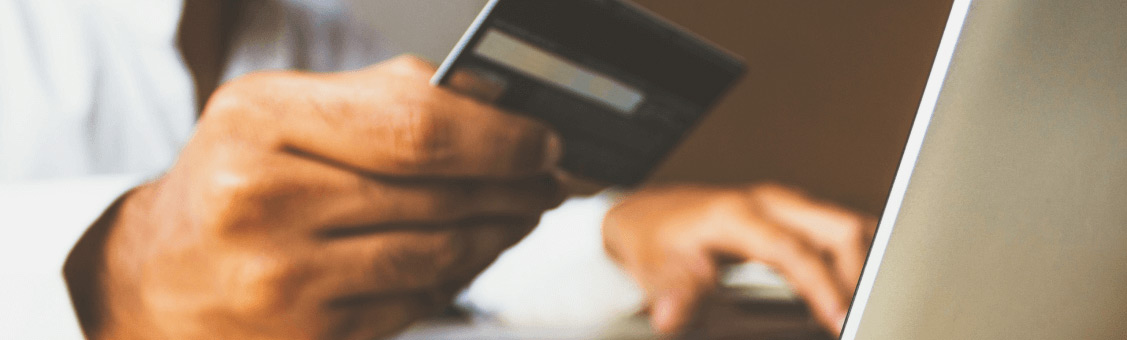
1008,215
1007,218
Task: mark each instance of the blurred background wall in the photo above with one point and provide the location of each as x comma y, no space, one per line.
429,28
826,105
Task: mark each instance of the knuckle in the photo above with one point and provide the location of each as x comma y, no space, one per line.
849,240
782,249
726,204
236,185
263,284
767,190
411,63
423,139
239,108
229,101
855,229
678,247
235,198
856,232
239,95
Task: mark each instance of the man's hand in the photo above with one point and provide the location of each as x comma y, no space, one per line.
307,206
672,240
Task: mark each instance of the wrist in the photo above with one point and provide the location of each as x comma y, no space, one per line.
93,274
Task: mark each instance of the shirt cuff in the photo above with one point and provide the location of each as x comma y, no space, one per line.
40,221
558,276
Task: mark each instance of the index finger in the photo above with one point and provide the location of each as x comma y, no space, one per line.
388,120
843,234
759,239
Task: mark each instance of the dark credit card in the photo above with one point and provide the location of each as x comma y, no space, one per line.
621,85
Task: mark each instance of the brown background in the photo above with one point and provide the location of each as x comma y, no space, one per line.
826,105
828,100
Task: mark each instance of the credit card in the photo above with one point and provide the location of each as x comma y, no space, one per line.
621,85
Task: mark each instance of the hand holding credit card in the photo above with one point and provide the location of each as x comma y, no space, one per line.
621,85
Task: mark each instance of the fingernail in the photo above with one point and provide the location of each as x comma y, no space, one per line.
662,314
553,151
840,322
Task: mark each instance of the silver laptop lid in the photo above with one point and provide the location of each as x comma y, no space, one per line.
1009,220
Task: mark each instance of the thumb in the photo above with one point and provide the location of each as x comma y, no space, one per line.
671,312
674,306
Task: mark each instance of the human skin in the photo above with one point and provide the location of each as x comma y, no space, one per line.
672,241
316,206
